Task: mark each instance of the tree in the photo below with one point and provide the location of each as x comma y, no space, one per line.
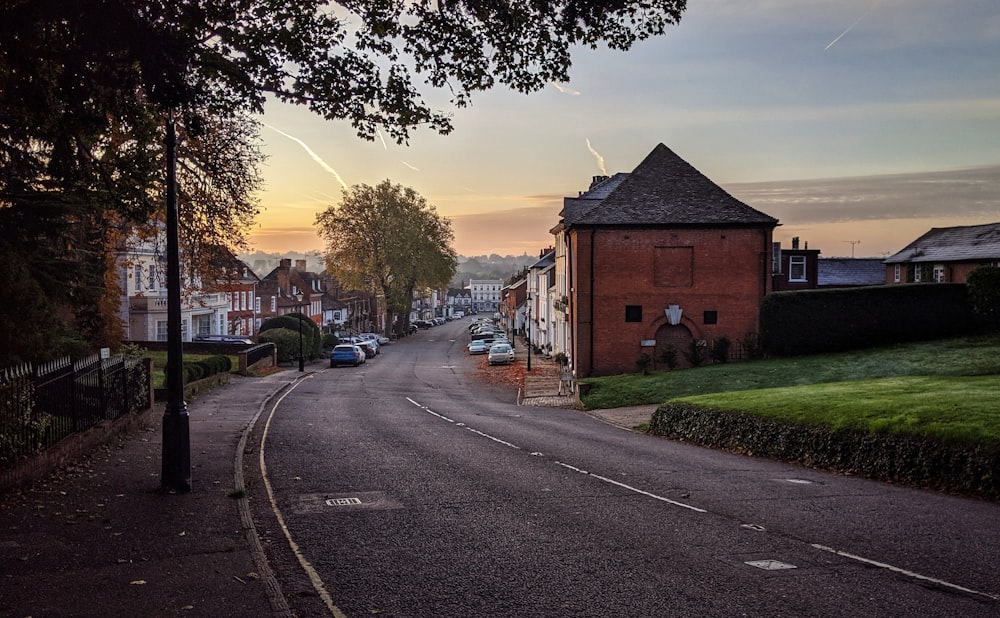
983,284
87,86
387,239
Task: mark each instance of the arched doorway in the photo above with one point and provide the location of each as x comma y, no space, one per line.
679,338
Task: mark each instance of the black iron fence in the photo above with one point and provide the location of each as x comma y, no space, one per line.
42,404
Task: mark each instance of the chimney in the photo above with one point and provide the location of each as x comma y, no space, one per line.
596,180
300,264
795,242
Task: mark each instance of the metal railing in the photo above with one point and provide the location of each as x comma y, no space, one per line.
42,404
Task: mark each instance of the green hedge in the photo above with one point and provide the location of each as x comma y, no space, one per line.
818,321
312,339
910,460
195,370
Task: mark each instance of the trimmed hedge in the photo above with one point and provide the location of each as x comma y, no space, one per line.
896,458
819,321
312,342
195,370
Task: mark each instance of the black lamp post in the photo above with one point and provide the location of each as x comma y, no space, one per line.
302,365
527,325
175,461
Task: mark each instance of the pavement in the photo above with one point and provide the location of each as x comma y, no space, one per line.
99,538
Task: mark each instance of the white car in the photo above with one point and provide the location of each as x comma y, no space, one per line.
501,354
381,339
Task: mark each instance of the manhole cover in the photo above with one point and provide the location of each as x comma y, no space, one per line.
770,565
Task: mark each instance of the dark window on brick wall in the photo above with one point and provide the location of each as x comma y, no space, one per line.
711,317
633,313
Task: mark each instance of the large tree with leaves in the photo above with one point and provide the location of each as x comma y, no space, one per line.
387,239
85,86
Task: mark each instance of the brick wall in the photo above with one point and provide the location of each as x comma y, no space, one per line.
725,271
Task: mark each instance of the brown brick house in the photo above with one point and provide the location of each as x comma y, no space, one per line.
659,256
945,255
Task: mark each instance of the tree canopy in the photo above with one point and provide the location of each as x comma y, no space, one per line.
388,239
87,85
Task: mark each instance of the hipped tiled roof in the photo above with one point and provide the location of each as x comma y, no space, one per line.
663,190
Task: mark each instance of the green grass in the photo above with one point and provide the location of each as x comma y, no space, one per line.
160,361
947,389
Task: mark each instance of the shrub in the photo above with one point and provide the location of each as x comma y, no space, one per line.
983,285
720,349
330,341
311,340
644,362
668,356
286,342
696,353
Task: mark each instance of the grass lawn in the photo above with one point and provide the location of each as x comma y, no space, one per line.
948,389
160,362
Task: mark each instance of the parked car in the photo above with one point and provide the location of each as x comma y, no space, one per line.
346,354
368,339
478,347
501,354
370,347
382,339
223,339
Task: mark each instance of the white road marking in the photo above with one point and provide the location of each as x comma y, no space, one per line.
565,465
894,569
314,577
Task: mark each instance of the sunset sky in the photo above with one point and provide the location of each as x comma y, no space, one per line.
848,120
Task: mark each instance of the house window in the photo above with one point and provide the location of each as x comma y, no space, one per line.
152,277
797,268
633,313
138,278
917,273
274,304
710,317
896,273
161,330
256,305
939,273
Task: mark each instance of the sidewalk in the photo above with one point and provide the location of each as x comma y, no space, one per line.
98,539
541,389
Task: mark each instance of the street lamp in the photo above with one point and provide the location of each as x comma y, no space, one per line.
302,366
527,324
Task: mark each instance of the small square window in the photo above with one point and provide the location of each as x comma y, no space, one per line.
710,317
633,313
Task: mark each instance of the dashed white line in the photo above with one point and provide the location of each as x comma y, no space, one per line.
895,569
563,464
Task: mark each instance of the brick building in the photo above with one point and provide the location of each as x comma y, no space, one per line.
661,256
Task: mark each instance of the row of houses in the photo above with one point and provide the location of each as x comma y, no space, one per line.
663,256
238,301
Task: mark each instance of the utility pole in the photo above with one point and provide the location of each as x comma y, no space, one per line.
853,242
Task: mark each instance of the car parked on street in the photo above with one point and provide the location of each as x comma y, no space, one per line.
346,354
501,354
478,347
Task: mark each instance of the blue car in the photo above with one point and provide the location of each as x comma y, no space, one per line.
346,354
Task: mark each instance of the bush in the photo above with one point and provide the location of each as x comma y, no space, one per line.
644,362
695,354
720,349
818,321
668,356
311,337
330,341
983,285
286,342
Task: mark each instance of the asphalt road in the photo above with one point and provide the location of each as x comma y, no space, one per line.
406,487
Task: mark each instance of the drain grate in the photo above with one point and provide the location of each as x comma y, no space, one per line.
343,501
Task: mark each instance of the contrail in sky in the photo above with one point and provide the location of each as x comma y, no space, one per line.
565,90
379,133
412,167
600,159
851,27
315,157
